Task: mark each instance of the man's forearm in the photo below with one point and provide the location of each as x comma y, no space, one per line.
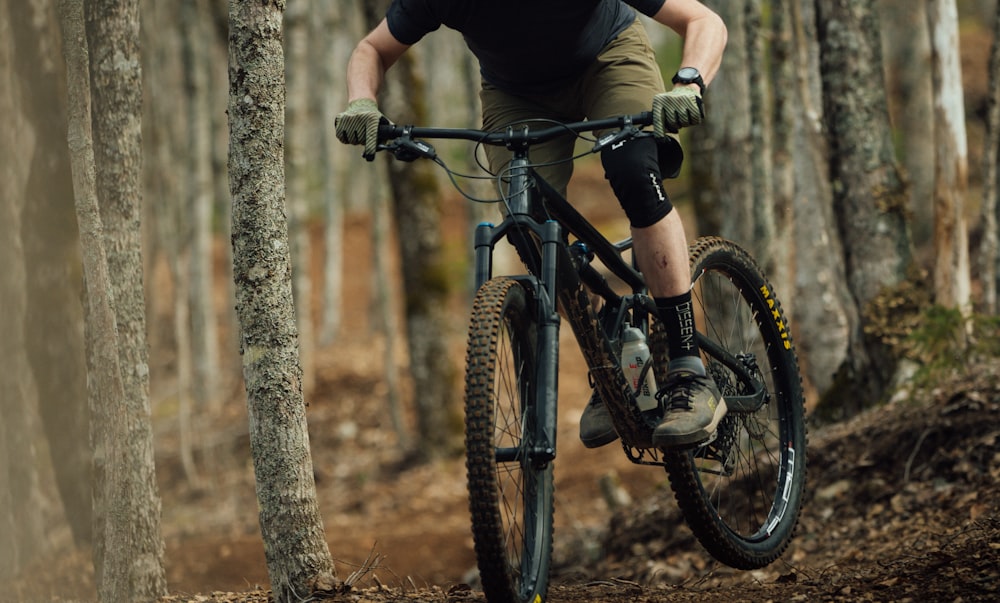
365,72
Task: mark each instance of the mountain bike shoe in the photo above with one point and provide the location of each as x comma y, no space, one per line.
693,408
596,428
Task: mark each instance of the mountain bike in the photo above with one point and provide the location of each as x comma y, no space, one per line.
740,493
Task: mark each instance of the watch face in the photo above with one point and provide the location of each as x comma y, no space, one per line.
687,74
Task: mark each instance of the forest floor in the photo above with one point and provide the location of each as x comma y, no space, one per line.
903,501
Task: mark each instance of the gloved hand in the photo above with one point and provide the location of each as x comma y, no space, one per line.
358,124
679,108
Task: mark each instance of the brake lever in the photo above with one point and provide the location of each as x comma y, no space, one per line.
406,148
628,132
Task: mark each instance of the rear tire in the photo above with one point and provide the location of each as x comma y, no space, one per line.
741,494
510,494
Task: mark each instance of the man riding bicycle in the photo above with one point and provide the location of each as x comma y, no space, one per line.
569,60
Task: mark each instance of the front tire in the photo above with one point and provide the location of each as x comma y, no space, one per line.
741,494
510,493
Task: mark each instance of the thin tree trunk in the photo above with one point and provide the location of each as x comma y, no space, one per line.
54,319
182,230
764,243
907,50
824,311
989,250
386,292
296,126
116,76
298,558
222,202
951,241
204,338
112,546
21,524
330,25
174,185
723,186
783,67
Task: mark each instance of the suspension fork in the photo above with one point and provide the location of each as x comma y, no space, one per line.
548,344
543,288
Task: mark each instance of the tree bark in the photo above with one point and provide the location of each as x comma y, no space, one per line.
766,241
907,51
824,312
53,327
113,544
21,523
952,286
116,85
296,127
199,182
989,251
723,182
297,555
870,197
330,25
783,84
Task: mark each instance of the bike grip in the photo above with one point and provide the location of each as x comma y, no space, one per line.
388,131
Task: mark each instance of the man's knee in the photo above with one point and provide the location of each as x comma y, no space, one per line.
634,174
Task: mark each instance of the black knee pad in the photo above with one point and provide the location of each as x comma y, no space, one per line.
634,173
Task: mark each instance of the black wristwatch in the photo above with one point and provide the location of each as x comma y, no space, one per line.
689,75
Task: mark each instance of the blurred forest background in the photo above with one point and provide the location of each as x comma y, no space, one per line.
851,146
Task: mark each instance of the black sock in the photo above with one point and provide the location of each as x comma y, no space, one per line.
677,314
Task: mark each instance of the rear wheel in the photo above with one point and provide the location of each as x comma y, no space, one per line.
510,492
741,493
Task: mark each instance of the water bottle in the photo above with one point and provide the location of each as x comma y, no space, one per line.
635,356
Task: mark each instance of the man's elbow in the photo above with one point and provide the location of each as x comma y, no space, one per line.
720,27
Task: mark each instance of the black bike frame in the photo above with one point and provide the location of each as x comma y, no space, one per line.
560,276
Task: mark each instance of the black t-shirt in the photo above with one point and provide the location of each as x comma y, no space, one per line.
523,46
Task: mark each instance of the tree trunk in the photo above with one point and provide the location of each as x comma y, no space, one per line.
386,292
199,183
870,198
824,312
296,127
951,240
415,195
723,182
113,545
137,558
21,524
297,555
330,26
989,251
54,318
116,84
765,243
907,49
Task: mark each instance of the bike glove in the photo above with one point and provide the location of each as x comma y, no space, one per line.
358,124
679,108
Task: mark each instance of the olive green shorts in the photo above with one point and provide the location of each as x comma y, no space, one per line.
622,80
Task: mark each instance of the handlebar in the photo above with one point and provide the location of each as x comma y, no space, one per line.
407,148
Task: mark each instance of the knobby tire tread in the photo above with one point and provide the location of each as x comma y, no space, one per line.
711,255
501,312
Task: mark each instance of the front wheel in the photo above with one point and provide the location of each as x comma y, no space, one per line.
510,490
741,493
